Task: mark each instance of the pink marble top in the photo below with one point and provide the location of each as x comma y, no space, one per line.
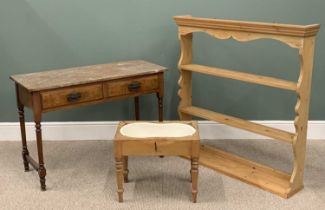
86,74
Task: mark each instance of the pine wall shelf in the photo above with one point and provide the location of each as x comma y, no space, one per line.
301,37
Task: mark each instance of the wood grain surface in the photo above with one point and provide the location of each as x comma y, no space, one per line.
81,75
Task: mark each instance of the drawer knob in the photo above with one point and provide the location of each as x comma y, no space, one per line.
134,86
73,97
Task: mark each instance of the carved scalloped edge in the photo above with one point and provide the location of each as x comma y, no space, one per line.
300,84
295,139
292,42
249,26
179,93
297,121
180,80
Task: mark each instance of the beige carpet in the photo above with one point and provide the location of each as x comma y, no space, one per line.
81,175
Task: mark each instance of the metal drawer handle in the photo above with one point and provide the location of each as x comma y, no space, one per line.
73,97
134,86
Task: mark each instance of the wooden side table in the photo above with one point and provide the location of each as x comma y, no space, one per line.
69,88
179,138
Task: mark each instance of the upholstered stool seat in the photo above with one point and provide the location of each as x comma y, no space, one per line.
136,138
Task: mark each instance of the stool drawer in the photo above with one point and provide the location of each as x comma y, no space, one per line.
73,95
155,148
138,148
129,86
174,147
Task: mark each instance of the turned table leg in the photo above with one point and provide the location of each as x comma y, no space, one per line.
160,107
161,111
137,108
21,114
41,169
194,177
37,119
25,152
125,168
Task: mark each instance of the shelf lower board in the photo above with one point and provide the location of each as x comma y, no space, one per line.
264,177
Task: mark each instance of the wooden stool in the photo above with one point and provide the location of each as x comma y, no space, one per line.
136,138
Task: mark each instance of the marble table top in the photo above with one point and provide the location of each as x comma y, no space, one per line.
86,74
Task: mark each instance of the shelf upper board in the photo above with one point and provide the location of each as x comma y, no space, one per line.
248,26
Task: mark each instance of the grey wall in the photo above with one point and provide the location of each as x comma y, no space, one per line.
37,35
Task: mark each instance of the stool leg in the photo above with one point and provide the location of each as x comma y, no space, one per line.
194,177
119,177
137,108
125,167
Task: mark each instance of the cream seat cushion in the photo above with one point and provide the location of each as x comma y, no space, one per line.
150,129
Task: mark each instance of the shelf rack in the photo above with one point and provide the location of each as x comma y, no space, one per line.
301,37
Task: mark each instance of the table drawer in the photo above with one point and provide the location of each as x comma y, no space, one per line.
155,148
72,95
130,86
